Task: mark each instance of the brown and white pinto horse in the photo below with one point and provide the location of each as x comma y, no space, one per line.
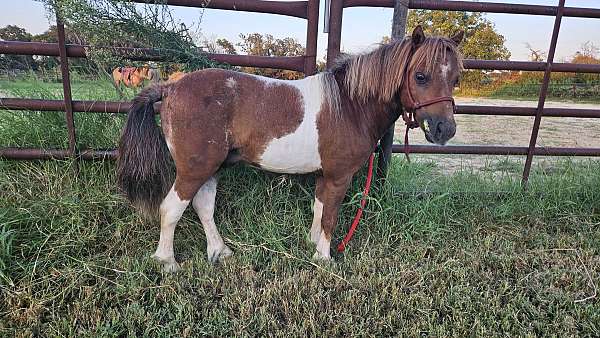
327,124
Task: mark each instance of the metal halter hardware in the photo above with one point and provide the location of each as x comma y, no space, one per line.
409,110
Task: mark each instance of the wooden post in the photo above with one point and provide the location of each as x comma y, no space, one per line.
398,32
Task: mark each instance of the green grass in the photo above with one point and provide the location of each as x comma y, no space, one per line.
465,254
435,255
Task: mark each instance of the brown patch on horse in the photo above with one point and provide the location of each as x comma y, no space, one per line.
209,113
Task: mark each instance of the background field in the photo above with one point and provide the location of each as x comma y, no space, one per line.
439,253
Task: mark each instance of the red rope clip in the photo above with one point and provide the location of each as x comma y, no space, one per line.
359,212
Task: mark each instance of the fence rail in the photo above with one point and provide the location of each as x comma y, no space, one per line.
123,107
296,63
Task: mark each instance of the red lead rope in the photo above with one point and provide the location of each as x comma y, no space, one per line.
359,212
411,123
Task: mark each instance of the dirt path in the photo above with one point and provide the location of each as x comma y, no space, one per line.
510,131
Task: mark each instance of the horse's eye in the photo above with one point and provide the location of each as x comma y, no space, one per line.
421,78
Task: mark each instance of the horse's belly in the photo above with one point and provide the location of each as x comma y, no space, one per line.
294,153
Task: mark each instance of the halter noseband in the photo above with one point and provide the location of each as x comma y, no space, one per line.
409,110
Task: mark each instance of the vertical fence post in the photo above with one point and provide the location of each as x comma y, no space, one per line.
336,10
312,31
385,144
543,93
66,82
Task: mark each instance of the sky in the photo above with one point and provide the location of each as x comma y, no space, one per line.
362,27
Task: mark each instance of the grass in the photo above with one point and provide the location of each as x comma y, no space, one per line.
435,255
465,254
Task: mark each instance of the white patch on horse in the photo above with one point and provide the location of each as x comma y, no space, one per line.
171,210
323,247
204,204
445,68
230,82
315,230
298,152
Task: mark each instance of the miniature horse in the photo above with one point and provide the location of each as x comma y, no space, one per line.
327,124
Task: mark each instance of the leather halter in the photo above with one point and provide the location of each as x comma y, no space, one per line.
409,108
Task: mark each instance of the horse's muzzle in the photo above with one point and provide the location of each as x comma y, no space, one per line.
438,129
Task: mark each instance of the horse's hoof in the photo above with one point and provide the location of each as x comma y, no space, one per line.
318,257
218,254
168,265
171,267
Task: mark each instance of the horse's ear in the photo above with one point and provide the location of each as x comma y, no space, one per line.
418,36
458,37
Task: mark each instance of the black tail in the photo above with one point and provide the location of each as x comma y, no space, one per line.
144,165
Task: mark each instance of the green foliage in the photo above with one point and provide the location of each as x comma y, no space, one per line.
16,62
226,46
14,33
481,39
104,24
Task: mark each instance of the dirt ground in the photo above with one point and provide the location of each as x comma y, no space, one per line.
510,131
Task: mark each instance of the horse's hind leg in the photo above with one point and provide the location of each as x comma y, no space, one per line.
171,209
204,204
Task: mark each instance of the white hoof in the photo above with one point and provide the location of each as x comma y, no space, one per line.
322,258
218,254
169,265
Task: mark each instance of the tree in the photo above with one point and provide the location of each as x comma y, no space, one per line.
16,62
267,45
536,55
14,33
50,63
226,46
588,53
481,39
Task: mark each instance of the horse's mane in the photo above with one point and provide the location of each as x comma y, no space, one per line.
379,74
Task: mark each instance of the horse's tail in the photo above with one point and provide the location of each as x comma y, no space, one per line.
144,166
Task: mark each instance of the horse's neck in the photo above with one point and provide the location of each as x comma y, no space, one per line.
372,117
380,117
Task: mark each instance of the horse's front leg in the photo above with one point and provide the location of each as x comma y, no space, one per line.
330,193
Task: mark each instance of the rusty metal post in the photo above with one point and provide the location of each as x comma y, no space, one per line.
385,144
543,92
66,82
336,10
312,30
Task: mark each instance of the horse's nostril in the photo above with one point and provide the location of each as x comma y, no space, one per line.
439,129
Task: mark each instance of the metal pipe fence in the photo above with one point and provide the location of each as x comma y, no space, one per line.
559,11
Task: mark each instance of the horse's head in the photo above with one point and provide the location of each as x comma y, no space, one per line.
429,79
